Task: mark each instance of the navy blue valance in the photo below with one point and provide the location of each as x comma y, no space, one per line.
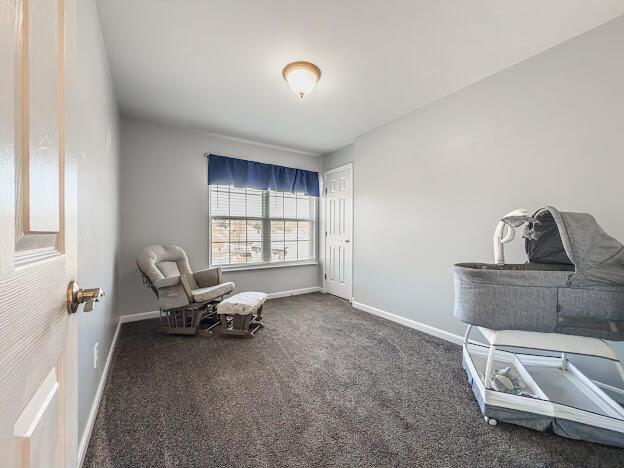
250,174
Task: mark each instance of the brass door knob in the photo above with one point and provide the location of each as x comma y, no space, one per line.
77,296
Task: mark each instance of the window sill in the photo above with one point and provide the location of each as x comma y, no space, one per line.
262,266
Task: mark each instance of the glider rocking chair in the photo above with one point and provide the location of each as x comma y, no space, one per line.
185,298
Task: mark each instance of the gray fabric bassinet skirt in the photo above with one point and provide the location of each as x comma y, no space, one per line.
536,297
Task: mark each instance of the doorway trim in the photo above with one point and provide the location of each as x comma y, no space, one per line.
323,224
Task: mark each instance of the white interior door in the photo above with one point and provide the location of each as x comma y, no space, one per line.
38,424
338,194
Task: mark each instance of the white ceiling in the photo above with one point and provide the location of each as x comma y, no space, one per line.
216,65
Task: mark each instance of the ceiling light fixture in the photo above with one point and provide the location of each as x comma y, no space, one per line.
301,77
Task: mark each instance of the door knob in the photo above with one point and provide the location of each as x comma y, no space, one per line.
77,296
347,241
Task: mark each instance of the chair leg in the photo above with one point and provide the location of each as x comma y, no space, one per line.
224,321
240,325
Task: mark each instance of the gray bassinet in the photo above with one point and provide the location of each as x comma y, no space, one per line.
573,282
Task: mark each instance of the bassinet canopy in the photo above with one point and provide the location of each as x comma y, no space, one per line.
572,284
575,239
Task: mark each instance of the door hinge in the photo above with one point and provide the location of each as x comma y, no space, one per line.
325,190
325,233
325,275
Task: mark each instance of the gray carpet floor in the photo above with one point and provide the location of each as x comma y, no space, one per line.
322,385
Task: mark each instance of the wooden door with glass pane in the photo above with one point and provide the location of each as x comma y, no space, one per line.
37,240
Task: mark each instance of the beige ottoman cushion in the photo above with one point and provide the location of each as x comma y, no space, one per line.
242,303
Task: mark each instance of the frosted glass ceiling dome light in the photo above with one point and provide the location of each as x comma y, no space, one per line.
301,77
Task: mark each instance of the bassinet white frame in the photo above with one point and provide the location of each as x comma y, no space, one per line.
553,342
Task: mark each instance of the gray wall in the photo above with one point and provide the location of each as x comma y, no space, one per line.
165,200
92,131
430,186
338,158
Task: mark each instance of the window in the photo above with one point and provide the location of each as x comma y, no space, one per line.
249,226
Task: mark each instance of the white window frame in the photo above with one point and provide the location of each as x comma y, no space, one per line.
314,219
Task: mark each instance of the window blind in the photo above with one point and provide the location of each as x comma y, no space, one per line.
251,226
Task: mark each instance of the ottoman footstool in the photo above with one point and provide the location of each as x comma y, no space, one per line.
241,314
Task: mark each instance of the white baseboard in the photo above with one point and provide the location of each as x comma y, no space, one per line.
445,335
152,314
86,435
295,292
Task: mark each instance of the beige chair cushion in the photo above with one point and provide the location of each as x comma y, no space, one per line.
166,282
213,292
168,269
162,261
191,281
242,303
